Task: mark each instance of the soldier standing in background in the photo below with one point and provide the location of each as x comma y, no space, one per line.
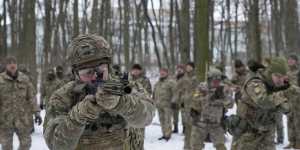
162,96
138,75
293,64
238,80
17,106
82,115
50,84
60,73
190,86
209,105
137,135
293,94
177,102
22,68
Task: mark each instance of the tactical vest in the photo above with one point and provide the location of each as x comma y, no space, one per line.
213,108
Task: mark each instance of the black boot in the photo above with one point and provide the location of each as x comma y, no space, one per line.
175,130
183,129
164,138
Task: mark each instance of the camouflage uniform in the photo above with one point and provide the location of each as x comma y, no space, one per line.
177,106
293,94
77,121
208,112
259,134
238,80
17,106
183,95
49,87
137,135
22,68
292,73
162,95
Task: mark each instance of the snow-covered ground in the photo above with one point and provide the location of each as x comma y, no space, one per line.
153,132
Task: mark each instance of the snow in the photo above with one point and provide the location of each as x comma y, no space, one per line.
153,132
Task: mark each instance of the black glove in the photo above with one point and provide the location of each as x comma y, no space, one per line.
38,119
182,105
42,106
174,106
194,113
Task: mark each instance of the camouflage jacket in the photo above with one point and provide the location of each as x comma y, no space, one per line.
17,101
60,132
163,92
293,75
143,80
210,107
48,88
239,80
259,107
292,94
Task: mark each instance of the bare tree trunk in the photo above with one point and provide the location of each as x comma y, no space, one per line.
254,41
171,36
3,47
291,26
145,4
75,19
13,16
28,41
212,30
47,34
126,34
276,25
85,17
201,37
120,33
160,32
185,31
236,25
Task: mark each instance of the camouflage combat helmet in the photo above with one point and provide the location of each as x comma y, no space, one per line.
89,51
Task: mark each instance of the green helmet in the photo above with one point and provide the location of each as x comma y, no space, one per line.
278,65
89,51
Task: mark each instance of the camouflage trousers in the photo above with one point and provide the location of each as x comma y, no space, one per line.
255,141
100,146
6,138
187,128
165,119
200,133
294,130
135,139
175,113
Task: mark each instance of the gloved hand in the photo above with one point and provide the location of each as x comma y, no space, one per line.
174,106
37,118
85,111
42,106
182,105
105,100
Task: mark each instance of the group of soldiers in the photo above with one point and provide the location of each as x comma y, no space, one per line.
95,108
262,92
99,107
